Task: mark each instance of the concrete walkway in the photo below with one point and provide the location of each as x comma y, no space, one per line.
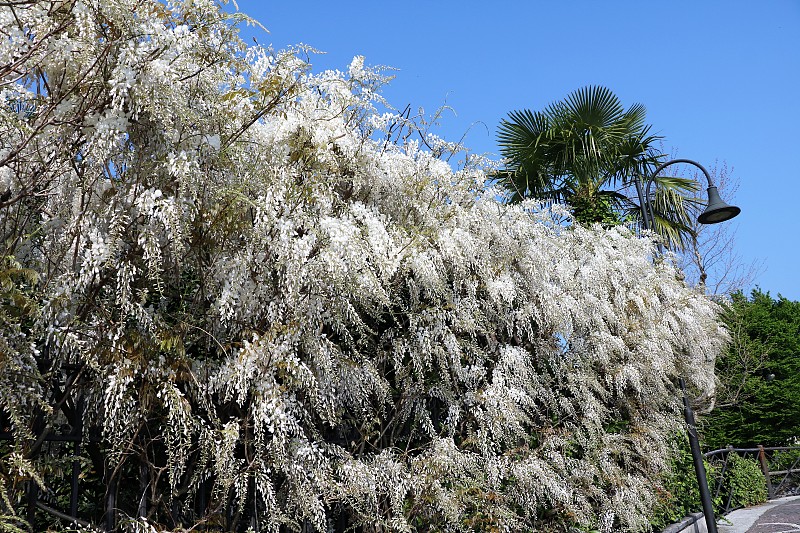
777,516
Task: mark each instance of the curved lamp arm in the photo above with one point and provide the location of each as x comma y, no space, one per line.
716,210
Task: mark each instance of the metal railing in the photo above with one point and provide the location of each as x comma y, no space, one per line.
67,438
780,466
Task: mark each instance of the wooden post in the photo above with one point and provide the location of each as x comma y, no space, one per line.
762,458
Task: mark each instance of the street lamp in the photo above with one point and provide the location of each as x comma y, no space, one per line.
716,211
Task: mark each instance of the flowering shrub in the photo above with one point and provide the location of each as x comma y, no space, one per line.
267,309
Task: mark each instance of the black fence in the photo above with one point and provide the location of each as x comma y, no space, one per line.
779,465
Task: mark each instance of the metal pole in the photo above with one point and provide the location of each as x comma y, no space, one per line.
697,459
694,443
638,183
31,494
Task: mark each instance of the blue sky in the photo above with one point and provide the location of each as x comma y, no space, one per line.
720,80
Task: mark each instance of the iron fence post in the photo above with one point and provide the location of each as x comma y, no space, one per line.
762,458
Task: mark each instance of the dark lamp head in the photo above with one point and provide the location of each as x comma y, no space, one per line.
717,210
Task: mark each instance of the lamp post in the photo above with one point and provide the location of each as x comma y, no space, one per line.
716,211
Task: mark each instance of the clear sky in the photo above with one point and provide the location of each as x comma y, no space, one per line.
720,80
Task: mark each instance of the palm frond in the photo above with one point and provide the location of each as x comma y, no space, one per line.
635,117
672,214
577,148
521,133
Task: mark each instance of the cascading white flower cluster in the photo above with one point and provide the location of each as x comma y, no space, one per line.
298,321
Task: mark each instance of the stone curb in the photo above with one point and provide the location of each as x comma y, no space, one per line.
694,523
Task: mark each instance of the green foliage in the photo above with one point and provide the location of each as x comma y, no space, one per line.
742,485
759,396
785,460
678,493
11,524
14,285
744,482
599,210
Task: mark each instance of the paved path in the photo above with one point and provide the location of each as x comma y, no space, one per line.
777,516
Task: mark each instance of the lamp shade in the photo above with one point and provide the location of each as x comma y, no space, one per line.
717,210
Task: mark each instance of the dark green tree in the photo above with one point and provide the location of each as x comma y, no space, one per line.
589,151
759,394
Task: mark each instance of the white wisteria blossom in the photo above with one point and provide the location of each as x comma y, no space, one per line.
264,308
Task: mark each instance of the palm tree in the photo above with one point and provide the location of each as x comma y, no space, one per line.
590,152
